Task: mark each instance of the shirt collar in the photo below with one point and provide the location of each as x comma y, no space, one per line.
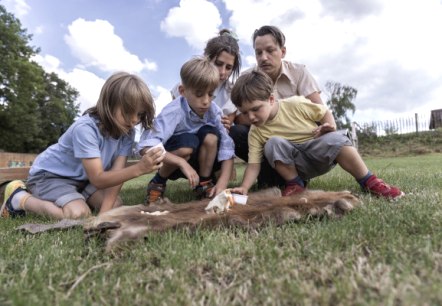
190,111
285,72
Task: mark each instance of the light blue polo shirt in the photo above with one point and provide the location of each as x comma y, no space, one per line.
83,139
178,118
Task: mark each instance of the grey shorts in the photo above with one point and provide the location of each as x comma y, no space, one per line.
57,189
312,158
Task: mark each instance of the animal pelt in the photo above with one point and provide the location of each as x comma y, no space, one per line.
130,223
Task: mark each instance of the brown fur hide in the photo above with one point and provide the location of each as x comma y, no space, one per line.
130,223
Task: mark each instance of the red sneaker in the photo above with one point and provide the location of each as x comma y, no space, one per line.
379,188
292,189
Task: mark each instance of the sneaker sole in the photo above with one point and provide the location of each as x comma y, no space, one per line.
11,189
398,197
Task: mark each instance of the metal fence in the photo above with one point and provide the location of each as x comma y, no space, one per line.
417,123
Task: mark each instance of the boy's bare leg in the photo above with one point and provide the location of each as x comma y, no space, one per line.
167,169
293,183
207,154
76,209
96,199
73,210
288,172
350,160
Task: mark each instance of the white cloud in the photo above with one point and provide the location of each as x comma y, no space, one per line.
39,30
194,20
385,49
162,97
18,7
95,44
88,84
281,13
356,10
48,62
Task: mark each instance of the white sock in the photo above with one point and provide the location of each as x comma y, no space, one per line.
16,199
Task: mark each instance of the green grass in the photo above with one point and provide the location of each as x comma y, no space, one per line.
380,254
401,144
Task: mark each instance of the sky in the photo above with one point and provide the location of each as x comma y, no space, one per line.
389,50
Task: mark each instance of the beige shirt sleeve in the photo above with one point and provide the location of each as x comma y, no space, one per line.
295,80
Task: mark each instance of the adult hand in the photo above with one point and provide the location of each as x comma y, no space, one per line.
226,122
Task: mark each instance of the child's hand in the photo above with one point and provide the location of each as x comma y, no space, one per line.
191,175
151,160
226,122
323,129
215,190
240,190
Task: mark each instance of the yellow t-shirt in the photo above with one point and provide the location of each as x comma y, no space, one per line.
295,120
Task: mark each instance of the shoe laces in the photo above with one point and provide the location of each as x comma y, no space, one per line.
377,184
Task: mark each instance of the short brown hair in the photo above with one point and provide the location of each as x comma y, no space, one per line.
277,34
200,74
251,86
125,92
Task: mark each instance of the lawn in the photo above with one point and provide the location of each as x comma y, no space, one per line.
383,253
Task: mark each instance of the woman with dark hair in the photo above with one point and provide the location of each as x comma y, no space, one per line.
223,52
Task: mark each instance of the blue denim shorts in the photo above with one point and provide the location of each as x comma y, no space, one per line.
194,141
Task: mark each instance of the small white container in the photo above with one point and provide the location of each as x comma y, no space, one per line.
239,198
160,145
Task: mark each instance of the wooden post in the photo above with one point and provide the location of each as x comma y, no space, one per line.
354,135
417,123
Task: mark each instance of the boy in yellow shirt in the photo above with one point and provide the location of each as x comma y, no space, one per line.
286,133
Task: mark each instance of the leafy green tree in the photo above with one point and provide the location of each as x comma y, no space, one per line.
56,105
35,107
367,131
340,102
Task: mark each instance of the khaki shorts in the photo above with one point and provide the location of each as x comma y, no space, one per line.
311,158
57,189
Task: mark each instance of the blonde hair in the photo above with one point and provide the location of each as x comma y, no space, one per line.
200,74
255,85
127,93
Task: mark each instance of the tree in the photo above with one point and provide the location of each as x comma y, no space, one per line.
56,105
340,102
35,107
367,131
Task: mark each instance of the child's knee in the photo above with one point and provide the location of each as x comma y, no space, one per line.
184,152
78,214
76,210
211,140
